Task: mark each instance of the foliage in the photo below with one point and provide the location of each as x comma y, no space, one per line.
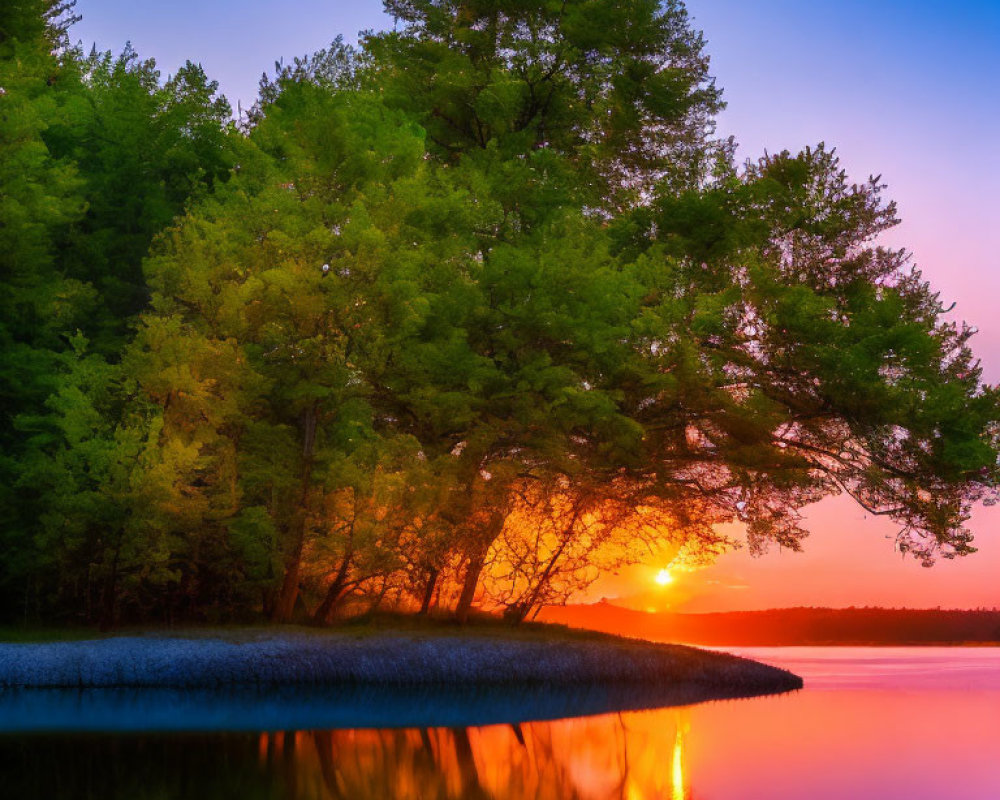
620,90
462,317
146,149
97,158
40,194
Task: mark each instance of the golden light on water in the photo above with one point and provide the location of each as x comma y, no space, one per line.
664,578
677,767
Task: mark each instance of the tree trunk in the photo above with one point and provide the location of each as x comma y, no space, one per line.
432,579
109,612
477,560
476,563
516,613
525,606
285,604
289,593
334,593
373,606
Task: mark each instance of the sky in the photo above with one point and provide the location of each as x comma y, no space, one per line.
903,89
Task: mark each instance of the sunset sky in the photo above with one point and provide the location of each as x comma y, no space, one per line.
907,90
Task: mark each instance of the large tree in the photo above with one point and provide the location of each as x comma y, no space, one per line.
798,358
144,148
556,280
275,287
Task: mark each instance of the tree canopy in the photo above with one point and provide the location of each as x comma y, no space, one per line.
462,317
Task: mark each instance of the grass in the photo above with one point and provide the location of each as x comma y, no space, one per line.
386,650
35,634
357,627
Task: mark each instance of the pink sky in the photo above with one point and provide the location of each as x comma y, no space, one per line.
849,559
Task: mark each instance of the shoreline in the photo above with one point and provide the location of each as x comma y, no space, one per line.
383,658
790,627
267,680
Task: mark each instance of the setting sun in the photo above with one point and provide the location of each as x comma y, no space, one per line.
664,578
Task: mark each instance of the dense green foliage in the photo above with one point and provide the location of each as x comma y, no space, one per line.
467,315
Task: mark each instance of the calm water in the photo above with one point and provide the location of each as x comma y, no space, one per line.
880,723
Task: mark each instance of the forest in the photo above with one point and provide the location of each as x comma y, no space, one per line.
455,319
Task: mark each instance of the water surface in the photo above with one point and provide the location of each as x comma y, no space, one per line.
872,723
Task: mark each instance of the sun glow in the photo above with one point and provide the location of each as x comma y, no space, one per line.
664,578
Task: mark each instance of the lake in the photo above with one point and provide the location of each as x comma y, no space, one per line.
873,723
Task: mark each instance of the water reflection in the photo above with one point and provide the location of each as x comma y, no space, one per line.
585,759
677,775
870,725
582,759
320,708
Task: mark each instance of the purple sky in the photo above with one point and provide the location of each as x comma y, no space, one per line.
907,90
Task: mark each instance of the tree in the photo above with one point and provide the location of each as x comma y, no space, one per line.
145,149
797,358
620,90
724,348
40,196
92,456
266,389
544,114
478,310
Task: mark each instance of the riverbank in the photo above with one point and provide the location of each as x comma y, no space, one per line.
792,627
260,657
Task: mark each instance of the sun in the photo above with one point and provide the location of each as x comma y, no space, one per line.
664,578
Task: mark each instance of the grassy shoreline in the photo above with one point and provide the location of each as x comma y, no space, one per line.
376,652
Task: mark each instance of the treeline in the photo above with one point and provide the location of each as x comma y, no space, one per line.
462,317
792,626
97,156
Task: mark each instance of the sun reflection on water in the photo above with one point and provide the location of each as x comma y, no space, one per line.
678,790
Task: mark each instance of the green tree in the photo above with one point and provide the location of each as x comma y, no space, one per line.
145,150
265,391
40,195
97,158
619,89
796,358
92,456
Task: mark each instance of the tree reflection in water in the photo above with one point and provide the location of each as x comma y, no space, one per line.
589,759
631,756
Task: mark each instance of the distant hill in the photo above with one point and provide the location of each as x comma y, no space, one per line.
788,626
